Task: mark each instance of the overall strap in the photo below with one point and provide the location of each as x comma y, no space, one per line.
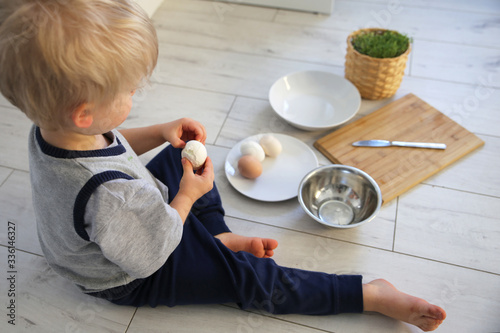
84,195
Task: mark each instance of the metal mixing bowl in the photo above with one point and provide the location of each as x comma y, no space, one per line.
340,196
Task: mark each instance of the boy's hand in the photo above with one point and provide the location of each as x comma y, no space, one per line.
192,186
177,132
180,131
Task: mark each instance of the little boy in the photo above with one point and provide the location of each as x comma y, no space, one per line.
138,235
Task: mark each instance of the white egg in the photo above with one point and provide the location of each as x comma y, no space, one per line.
195,152
253,148
271,145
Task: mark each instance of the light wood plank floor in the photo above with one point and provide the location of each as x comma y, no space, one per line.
439,241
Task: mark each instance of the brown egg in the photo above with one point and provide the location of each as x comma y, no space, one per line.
249,167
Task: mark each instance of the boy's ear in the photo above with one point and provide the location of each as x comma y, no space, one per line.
82,116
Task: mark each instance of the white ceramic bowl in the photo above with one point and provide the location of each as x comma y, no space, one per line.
314,100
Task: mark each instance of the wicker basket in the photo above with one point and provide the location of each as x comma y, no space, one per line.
375,78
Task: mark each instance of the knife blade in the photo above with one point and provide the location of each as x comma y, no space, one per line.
387,143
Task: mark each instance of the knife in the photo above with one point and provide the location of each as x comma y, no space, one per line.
386,143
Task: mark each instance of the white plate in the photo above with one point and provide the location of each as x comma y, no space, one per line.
280,176
313,100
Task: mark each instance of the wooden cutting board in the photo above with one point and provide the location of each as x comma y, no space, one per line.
398,169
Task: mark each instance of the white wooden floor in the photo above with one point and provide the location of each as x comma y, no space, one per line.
439,241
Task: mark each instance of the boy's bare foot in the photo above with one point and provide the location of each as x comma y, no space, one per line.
381,296
259,247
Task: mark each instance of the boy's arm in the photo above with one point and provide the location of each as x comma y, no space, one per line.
143,139
178,132
115,217
192,187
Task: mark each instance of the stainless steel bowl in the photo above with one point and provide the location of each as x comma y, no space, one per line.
340,196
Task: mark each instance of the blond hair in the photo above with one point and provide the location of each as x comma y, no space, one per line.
58,54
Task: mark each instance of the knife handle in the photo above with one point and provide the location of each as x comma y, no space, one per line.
419,144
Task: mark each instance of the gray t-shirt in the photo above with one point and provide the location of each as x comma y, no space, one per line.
102,218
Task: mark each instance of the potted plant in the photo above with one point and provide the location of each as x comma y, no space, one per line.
376,60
